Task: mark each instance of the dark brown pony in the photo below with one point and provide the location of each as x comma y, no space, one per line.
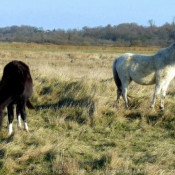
16,87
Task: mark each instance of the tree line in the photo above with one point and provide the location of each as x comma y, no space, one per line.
126,34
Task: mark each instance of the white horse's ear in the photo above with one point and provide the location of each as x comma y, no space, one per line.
145,70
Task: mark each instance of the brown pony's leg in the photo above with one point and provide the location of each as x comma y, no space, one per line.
22,111
10,118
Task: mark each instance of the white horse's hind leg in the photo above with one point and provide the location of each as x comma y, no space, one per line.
124,92
119,93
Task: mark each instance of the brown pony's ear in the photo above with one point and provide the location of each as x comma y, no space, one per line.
29,105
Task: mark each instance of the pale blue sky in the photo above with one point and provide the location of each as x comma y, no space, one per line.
75,14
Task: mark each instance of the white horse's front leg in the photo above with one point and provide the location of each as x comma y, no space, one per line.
163,94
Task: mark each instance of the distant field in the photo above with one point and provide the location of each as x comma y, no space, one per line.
76,127
67,48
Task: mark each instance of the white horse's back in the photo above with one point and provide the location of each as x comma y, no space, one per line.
138,68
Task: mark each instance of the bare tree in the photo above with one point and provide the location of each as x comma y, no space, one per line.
173,20
151,22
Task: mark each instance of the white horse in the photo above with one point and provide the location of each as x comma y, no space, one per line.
157,69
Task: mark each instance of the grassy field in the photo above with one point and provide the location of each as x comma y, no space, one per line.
76,127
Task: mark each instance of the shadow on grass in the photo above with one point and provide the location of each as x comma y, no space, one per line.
76,105
96,164
70,102
67,98
134,116
150,118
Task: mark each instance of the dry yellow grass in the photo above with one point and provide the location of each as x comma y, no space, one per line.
76,128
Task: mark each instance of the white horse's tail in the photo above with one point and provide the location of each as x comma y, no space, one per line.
115,75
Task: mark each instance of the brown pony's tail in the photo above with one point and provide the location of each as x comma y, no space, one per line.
116,77
29,105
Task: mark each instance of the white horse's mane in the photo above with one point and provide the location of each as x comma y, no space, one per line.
162,51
